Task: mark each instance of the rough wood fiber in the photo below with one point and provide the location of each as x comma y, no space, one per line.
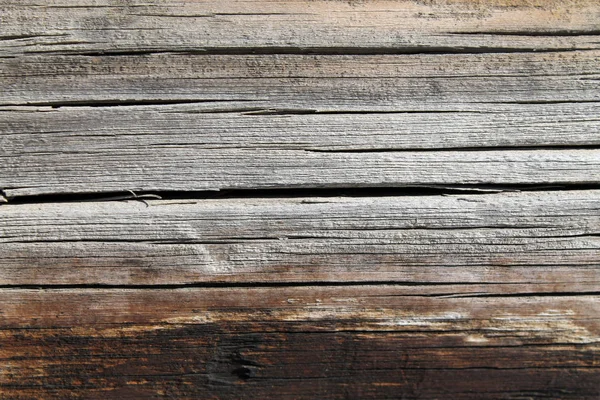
292,121
174,148
162,148
310,342
296,120
480,296
180,26
187,168
44,130
535,241
305,83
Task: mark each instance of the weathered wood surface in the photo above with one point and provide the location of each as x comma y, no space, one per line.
293,120
304,82
300,294
545,241
298,342
146,148
296,120
187,169
68,26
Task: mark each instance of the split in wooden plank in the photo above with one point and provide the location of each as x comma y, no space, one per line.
311,342
278,26
270,121
511,242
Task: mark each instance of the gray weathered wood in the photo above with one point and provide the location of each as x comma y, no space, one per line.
184,168
419,82
279,121
257,121
25,130
107,26
545,241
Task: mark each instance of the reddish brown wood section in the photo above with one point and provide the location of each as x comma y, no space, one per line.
341,342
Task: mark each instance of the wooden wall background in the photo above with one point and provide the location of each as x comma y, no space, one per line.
300,199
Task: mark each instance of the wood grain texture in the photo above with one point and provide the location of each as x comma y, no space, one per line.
166,148
257,121
300,294
441,25
31,130
304,82
537,241
291,121
312,342
187,169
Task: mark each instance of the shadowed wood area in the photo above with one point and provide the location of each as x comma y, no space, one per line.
349,342
300,199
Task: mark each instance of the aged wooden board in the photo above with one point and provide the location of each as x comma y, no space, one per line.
537,241
300,342
303,294
232,25
186,168
304,83
295,120
26,130
292,121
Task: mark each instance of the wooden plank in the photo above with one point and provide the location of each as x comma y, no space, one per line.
458,296
265,25
35,130
292,121
529,241
418,82
26,130
311,342
185,168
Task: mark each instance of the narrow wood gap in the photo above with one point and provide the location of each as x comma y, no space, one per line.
309,284
210,285
241,240
292,285
317,193
121,103
553,33
531,294
31,36
293,50
460,149
533,101
265,111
